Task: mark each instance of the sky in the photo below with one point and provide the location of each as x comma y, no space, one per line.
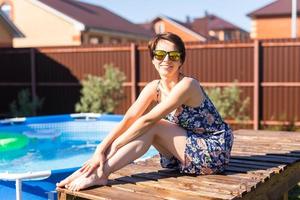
140,11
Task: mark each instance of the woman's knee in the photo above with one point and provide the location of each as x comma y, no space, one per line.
155,128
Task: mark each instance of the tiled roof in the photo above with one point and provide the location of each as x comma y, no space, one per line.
96,17
148,26
280,7
203,25
212,22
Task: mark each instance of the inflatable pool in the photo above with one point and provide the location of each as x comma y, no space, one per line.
12,141
43,134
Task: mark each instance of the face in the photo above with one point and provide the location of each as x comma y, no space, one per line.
165,66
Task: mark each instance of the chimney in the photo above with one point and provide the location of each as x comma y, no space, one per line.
206,13
188,19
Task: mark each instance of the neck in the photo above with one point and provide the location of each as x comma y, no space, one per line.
169,82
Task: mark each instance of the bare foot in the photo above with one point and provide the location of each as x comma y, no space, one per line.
82,182
69,179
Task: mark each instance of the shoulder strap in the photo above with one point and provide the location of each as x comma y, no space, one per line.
157,91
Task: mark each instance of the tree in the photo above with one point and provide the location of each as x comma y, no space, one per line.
24,106
228,102
102,94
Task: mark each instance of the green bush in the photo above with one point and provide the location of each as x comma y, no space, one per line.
229,104
24,105
289,125
102,94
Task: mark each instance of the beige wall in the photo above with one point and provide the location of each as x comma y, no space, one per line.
273,28
168,27
41,27
104,38
5,36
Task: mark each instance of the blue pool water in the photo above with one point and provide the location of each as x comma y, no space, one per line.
57,143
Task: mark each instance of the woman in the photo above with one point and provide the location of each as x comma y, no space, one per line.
184,126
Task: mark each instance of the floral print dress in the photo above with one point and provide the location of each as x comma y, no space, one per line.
209,139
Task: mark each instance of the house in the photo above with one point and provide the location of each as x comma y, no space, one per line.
216,28
274,20
68,22
210,27
8,31
166,24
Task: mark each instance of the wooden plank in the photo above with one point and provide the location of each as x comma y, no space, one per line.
236,180
263,173
246,165
61,194
107,192
286,154
267,134
262,157
277,186
173,188
209,186
257,163
165,182
161,177
118,193
262,141
157,192
279,146
258,169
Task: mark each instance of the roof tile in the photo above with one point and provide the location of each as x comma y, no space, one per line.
279,7
97,17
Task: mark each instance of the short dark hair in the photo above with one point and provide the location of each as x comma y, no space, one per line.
170,37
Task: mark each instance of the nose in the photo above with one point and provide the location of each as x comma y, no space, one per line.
166,58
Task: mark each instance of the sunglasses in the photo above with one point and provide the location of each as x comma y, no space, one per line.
161,54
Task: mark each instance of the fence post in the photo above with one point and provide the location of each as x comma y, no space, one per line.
33,74
256,89
133,61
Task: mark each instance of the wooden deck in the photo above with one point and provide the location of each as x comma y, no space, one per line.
264,165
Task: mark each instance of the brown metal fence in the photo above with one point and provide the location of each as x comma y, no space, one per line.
267,71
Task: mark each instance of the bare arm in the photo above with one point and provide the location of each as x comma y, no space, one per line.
133,113
179,95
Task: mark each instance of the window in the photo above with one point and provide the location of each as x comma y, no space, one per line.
227,35
7,9
212,33
95,40
115,40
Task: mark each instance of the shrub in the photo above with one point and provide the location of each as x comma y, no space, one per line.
101,94
286,124
24,106
229,104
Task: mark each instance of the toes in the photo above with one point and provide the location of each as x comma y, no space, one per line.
78,187
69,179
62,183
72,186
83,185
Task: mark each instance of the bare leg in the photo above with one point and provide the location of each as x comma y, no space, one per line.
162,150
156,143
170,136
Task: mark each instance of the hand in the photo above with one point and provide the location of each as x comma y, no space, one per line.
97,161
115,146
